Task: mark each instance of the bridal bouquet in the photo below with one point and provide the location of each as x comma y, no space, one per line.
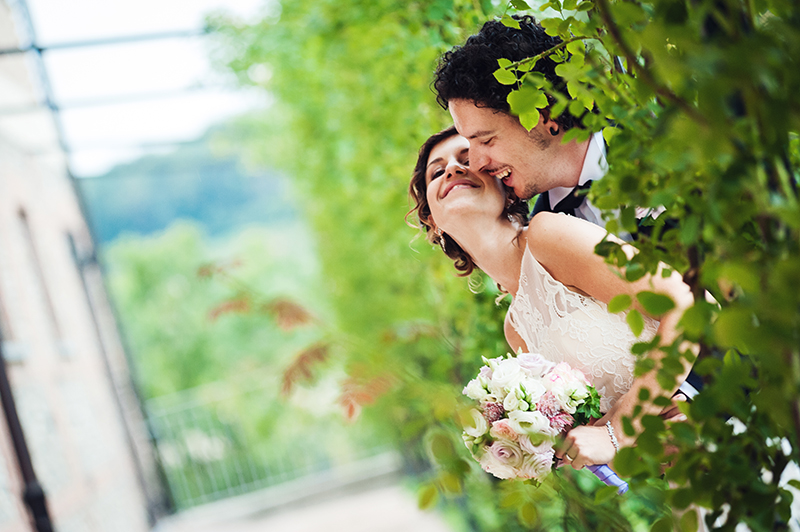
525,403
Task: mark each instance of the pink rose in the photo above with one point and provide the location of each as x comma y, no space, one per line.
529,448
501,429
536,466
501,459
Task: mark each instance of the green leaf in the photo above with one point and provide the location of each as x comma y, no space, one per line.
662,525
528,514
655,304
689,521
520,4
525,103
609,133
505,77
585,6
619,303
634,271
450,483
509,22
604,494
635,322
570,4
503,62
428,496
442,448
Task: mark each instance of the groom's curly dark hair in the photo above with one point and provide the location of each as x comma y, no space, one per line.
515,209
467,72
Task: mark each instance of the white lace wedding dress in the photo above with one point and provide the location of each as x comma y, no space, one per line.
565,326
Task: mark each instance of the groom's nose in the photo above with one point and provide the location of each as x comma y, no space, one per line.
477,159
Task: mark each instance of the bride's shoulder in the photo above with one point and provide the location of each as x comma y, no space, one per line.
557,235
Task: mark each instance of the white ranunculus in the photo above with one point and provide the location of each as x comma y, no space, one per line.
478,427
529,422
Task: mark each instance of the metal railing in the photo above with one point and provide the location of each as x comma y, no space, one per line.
209,451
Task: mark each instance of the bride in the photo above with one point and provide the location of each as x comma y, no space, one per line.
560,287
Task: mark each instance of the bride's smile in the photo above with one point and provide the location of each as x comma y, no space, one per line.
454,191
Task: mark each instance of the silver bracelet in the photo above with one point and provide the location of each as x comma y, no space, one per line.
610,430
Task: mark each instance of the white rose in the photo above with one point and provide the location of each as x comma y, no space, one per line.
478,427
535,365
529,422
476,389
534,390
506,375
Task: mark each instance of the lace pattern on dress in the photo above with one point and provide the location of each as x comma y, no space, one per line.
565,326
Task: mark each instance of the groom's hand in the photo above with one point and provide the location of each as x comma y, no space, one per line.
672,412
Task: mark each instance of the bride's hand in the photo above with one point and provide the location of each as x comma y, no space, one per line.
586,445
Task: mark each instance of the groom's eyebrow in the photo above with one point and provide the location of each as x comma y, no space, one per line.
479,134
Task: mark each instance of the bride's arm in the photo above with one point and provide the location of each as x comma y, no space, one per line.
512,337
564,246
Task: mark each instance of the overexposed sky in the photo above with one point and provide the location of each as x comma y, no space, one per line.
120,99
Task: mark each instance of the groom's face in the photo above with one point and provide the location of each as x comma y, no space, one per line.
500,146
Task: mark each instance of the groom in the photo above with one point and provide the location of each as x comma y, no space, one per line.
529,162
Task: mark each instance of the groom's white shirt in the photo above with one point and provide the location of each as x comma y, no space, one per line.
594,168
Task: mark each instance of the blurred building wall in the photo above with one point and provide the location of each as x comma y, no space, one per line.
70,380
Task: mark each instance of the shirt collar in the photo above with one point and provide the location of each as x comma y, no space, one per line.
594,167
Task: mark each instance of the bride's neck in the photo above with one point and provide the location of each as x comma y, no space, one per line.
497,249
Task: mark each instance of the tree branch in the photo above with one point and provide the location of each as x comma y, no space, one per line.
644,74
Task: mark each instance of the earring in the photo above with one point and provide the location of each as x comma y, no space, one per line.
440,236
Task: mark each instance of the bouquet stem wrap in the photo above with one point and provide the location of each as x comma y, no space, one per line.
609,478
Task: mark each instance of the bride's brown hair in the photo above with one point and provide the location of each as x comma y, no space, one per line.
516,209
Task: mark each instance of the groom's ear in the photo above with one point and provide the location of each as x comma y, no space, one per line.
550,125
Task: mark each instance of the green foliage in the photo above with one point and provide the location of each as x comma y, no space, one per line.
705,120
167,309
705,123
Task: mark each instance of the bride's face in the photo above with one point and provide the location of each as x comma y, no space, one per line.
455,191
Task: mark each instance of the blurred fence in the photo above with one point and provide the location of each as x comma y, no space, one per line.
207,455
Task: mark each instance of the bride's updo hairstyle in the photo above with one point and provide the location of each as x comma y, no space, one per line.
515,209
